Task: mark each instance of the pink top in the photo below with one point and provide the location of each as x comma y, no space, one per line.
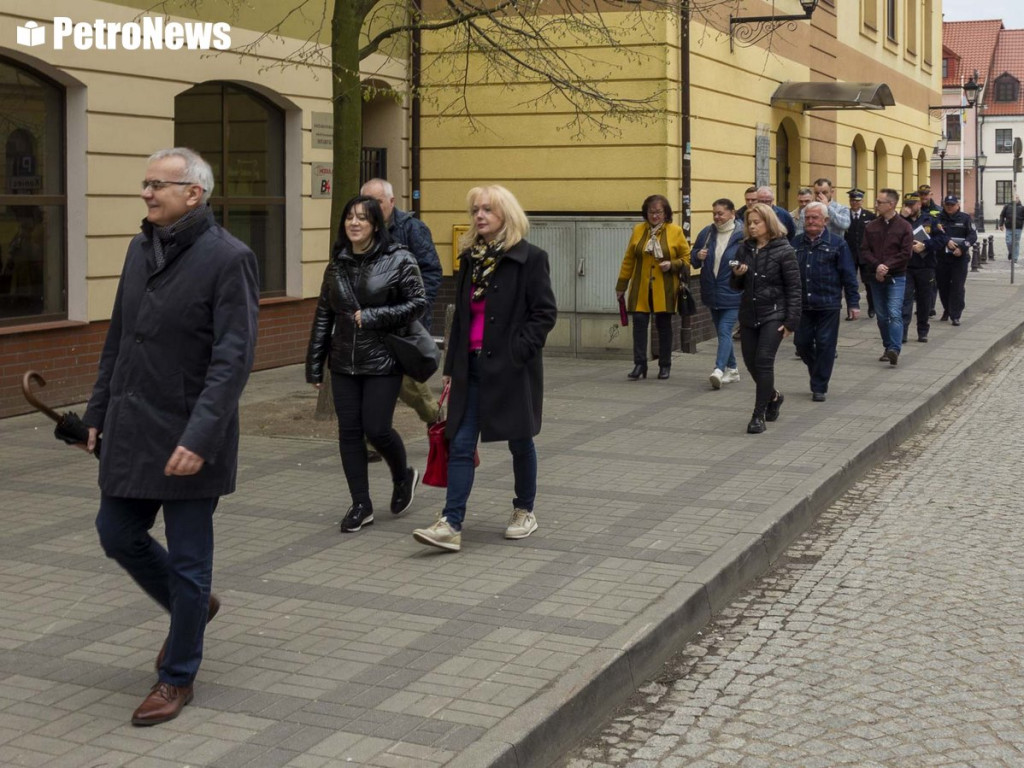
476,324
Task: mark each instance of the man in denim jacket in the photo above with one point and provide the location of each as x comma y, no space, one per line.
826,272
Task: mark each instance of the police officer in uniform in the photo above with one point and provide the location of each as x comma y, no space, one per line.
859,217
929,243
951,269
929,206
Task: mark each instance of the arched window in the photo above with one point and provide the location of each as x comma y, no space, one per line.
1007,87
33,200
241,135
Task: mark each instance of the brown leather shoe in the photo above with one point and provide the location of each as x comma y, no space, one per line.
214,607
164,703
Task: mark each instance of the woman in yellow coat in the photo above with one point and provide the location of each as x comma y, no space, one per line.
656,257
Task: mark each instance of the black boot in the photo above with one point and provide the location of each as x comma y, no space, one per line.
756,425
771,413
639,372
663,372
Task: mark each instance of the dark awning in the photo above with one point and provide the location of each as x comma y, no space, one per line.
835,95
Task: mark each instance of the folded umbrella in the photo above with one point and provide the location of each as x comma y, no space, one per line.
70,428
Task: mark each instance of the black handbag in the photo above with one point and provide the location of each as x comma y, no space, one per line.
416,352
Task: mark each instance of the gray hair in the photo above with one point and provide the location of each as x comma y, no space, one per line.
766,190
389,191
197,170
805,191
816,204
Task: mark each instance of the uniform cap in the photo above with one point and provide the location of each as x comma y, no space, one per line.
925,188
950,200
856,194
911,197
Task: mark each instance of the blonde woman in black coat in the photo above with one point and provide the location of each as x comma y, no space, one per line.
769,277
504,309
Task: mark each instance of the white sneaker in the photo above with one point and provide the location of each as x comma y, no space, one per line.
521,524
716,378
440,535
732,375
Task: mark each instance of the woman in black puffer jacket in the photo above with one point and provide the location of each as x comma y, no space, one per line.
769,277
371,287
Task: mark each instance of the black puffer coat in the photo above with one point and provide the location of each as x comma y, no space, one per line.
770,286
389,291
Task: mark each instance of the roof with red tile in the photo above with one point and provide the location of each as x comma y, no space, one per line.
975,43
1009,57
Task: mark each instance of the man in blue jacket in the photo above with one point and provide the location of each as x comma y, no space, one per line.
826,272
407,230
176,359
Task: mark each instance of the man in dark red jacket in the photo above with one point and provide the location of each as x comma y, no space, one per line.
886,249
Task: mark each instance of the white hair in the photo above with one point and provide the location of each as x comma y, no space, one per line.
816,204
389,191
766,190
197,170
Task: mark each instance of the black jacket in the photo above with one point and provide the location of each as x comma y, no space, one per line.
1006,216
389,291
405,229
177,356
520,311
770,286
855,234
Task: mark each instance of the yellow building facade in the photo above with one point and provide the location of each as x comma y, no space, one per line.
77,126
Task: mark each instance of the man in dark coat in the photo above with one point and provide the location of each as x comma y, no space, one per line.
886,249
929,243
405,229
859,217
954,261
177,356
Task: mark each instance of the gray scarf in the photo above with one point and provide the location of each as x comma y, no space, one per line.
162,234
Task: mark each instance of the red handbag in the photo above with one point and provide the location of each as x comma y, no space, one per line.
436,473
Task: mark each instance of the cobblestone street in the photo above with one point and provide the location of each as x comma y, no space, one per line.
890,635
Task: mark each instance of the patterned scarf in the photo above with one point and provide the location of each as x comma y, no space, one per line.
160,234
483,258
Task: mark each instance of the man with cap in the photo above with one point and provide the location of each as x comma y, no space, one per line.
859,217
929,243
929,206
953,262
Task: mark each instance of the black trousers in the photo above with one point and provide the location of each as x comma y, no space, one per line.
920,290
951,277
641,326
867,276
365,406
759,347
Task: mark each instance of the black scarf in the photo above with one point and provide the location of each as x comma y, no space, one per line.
161,234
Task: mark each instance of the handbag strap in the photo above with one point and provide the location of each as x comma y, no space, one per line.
444,394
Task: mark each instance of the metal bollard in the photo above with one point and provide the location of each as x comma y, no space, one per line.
975,258
991,247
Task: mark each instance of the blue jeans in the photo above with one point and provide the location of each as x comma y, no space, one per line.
1012,243
178,578
462,449
725,321
816,340
889,310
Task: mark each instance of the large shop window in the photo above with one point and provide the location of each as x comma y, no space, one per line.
33,262
241,135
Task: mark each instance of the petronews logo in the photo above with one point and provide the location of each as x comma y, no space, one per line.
152,33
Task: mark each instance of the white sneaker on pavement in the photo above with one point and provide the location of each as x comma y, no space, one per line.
440,535
716,378
521,524
732,375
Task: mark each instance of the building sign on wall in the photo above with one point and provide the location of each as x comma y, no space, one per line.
323,179
762,156
323,130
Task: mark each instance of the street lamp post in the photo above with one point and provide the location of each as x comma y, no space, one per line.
979,205
940,150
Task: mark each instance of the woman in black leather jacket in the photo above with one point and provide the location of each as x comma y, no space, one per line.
769,277
371,287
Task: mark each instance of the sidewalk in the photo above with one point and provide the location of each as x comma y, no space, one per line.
370,649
